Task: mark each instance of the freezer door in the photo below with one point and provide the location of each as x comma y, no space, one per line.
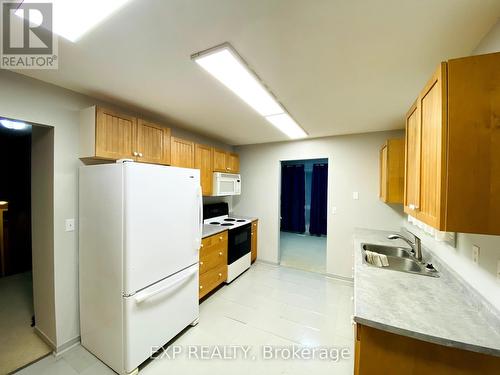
157,314
162,223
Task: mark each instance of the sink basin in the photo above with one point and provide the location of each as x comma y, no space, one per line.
390,251
399,259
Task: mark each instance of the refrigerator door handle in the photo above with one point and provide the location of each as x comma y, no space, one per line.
200,215
142,297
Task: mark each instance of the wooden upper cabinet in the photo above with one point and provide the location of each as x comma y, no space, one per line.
153,143
232,162
225,161
453,148
432,158
203,160
392,171
109,135
412,160
181,153
115,135
219,157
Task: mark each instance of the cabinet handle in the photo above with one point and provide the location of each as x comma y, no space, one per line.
136,153
220,253
220,238
140,154
201,263
201,287
220,274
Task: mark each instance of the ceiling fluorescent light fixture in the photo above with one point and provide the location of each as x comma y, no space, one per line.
73,18
227,66
287,125
13,125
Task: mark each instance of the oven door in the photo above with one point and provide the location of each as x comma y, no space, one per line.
239,242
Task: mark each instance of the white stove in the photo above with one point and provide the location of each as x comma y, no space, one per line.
239,237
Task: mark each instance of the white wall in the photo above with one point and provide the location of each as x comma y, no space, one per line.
482,276
353,166
31,100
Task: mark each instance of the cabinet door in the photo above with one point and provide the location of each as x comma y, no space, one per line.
153,143
203,160
219,160
432,128
116,135
255,228
412,164
383,174
232,162
182,153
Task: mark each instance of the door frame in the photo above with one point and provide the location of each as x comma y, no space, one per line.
42,228
328,202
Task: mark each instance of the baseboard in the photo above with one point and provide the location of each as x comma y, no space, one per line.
45,338
340,278
67,346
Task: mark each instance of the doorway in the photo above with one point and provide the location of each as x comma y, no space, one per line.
19,343
303,214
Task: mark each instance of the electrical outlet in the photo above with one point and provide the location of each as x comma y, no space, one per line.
475,254
70,225
355,195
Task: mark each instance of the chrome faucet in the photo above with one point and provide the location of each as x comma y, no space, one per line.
415,246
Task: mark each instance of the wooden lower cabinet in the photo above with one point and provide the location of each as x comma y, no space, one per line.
384,353
213,263
255,227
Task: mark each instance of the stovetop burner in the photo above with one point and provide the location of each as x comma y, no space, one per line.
240,220
227,224
214,223
229,219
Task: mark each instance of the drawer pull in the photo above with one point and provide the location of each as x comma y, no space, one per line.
220,253
201,287
201,245
201,263
220,238
220,274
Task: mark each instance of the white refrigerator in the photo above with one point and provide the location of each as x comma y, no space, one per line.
139,239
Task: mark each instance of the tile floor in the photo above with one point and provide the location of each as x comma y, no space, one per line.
267,305
19,344
303,252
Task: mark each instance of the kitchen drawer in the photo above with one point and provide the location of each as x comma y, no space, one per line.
212,240
212,279
213,256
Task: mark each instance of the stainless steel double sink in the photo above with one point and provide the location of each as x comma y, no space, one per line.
400,259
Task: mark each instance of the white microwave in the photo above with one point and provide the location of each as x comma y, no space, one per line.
226,184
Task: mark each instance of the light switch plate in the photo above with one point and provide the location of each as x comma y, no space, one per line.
70,225
475,253
355,195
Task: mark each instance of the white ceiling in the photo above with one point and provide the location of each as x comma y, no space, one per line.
338,66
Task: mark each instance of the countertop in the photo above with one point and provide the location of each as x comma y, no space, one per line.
437,310
210,230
